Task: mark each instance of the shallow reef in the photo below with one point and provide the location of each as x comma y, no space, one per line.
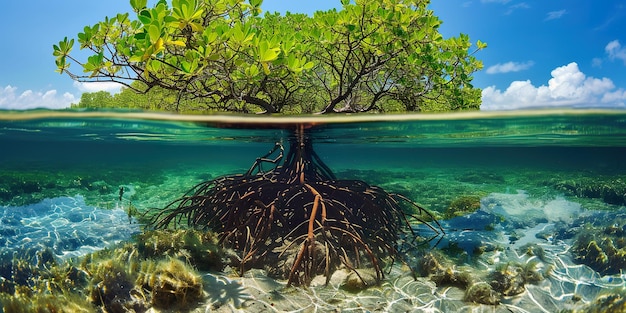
601,244
611,190
462,205
612,301
160,273
21,303
171,283
22,187
481,177
510,278
481,287
505,260
196,247
482,293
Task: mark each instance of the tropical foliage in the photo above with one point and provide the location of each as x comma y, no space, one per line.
375,55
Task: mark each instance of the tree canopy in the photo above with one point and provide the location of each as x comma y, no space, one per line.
371,55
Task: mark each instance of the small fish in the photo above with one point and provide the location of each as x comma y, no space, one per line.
121,192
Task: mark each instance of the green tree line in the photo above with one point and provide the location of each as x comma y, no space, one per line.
223,55
157,99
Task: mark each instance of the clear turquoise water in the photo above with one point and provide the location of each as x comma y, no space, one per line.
535,171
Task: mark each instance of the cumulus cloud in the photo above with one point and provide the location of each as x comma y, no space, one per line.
615,51
553,15
567,87
617,96
97,86
12,99
509,67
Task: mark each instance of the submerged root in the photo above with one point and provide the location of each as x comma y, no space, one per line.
299,213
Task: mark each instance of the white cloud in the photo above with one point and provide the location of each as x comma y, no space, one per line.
555,15
11,99
521,5
509,67
615,51
97,86
567,87
596,62
617,96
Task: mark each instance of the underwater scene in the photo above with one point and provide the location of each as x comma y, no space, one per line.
521,211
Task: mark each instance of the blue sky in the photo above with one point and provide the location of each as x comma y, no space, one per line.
541,52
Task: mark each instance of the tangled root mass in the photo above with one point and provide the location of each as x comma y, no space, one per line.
300,215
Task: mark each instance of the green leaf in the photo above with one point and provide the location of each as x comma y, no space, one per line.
197,14
292,63
136,58
238,34
96,59
140,36
145,17
62,65
138,5
121,17
63,48
189,67
154,32
179,43
267,53
85,37
209,35
252,71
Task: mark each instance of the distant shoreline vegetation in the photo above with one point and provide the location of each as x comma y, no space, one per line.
159,99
